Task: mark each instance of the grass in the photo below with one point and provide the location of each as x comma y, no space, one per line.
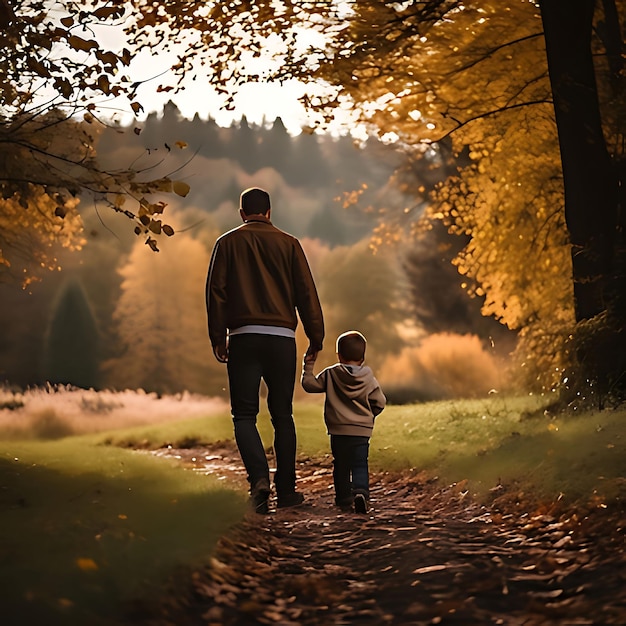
89,525
87,529
496,441
488,443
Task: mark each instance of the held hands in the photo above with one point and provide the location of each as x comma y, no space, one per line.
311,355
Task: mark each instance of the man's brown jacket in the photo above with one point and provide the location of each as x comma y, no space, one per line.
259,275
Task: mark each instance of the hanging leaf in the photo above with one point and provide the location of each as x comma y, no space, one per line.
105,12
126,56
104,84
78,43
109,58
181,188
168,230
63,86
152,243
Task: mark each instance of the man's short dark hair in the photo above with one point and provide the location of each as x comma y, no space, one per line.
351,346
255,201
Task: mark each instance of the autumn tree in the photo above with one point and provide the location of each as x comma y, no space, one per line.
161,322
54,75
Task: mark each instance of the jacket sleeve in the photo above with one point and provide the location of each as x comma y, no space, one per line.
216,296
307,300
377,399
310,382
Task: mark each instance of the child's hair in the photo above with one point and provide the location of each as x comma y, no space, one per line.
351,345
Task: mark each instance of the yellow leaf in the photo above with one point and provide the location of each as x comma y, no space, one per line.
122,516
181,144
181,188
86,564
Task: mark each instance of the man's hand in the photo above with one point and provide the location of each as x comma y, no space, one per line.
311,355
221,353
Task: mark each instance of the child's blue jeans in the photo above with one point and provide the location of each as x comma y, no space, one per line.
350,467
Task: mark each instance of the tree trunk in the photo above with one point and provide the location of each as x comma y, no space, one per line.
590,179
594,211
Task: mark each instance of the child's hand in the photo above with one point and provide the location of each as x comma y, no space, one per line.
310,357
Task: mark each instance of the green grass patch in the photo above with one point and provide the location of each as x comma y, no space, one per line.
179,434
507,441
87,528
498,440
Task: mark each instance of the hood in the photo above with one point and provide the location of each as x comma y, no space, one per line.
353,378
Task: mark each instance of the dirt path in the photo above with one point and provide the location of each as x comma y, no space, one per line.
423,555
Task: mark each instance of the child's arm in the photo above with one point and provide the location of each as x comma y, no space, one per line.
310,382
377,400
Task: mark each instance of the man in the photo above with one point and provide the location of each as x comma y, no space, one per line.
258,278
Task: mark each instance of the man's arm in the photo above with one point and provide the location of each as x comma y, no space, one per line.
216,302
307,301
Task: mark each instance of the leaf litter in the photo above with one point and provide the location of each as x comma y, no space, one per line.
424,554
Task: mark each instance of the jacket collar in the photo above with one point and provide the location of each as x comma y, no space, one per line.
257,218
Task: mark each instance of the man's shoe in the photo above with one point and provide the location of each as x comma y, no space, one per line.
290,499
346,506
259,496
360,503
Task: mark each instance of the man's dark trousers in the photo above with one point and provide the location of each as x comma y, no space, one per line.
252,357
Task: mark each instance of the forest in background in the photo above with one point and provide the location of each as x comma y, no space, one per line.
120,316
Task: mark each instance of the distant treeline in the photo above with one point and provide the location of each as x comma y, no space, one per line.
316,176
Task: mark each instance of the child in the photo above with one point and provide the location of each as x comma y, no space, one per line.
353,399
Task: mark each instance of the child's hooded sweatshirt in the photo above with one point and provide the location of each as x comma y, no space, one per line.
353,397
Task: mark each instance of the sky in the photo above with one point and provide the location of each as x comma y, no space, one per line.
259,102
